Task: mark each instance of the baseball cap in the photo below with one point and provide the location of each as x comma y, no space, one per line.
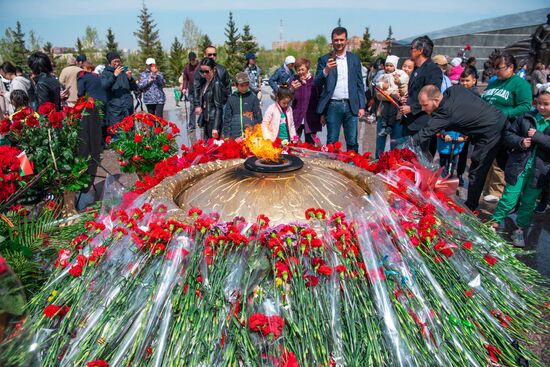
150,61
440,60
241,78
250,55
290,60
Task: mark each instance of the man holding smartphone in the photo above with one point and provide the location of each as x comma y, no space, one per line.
342,100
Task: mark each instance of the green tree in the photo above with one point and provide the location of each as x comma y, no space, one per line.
12,46
235,59
203,44
191,34
389,41
111,45
79,46
248,41
90,41
177,60
48,48
365,51
34,41
148,36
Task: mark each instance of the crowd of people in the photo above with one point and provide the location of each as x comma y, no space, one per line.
433,100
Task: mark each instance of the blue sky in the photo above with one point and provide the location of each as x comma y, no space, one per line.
62,21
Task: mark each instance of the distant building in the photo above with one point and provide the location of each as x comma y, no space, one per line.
62,50
484,36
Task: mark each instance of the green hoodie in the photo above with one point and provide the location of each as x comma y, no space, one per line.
512,96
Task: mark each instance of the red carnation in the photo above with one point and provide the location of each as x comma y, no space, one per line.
53,310
138,138
97,363
311,280
46,108
490,260
257,321
288,359
50,311
32,121
3,265
324,269
56,119
108,139
76,270
165,148
467,245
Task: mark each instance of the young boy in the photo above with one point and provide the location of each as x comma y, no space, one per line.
242,109
528,166
445,147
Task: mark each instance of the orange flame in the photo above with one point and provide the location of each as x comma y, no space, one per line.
262,148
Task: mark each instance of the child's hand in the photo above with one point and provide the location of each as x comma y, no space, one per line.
396,78
526,143
460,139
531,132
448,138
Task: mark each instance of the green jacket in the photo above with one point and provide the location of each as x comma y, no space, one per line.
512,96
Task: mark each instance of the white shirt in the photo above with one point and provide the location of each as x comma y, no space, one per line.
341,90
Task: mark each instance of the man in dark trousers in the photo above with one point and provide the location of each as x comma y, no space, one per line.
221,74
342,98
425,73
458,109
188,80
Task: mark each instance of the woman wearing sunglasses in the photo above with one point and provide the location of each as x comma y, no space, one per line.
210,110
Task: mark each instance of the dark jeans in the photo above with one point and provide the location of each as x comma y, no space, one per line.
396,134
444,162
388,114
545,195
308,136
463,159
483,155
338,114
191,117
156,109
90,142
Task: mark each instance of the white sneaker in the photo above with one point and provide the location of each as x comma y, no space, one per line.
517,238
491,198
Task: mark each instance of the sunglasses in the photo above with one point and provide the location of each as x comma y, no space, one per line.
209,55
204,71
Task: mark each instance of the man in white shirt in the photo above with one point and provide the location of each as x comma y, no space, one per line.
342,98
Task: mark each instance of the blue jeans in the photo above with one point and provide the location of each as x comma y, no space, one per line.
396,133
338,114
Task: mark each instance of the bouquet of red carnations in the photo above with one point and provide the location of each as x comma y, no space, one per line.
142,140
